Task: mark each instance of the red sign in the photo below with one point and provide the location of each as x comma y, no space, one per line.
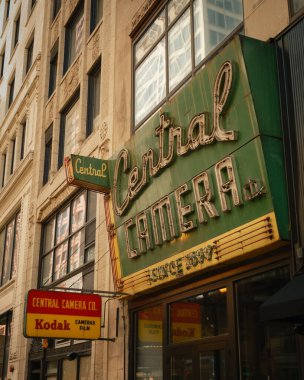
53,314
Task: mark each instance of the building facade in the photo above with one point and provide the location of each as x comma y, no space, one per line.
195,107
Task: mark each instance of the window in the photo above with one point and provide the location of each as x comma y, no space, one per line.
69,132
5,336
11,90
16,31
3,165
296,5
56,8
13,148
29,55
69,239
73,38
93,98
23,134
174,44
2,59
33,2
48,141
7,9
96,13
189,333
53,70
9,244
266,350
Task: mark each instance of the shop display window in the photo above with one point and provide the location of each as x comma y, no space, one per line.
149,343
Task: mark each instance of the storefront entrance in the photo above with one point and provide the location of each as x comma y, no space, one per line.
213,331
207,361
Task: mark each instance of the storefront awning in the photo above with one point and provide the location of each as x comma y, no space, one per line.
287,304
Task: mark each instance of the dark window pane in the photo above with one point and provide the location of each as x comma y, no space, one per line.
93,99
23,134
49,235
47,154
13,147
96,13
297,5
29,58
3,169
11,92
182,367
53,73
47,269
17,27
2,60
56,8
7,9
267,350
2,241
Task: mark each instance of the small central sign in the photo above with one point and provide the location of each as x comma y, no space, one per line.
88,172
53,314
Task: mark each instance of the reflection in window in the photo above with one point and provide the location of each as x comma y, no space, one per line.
69,238
199,317
267,350
73,37
296,5
9,245
69,132
187,37
149,343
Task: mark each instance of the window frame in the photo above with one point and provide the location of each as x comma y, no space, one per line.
229,280
62,132
87,265
11,91
56,6
139,32
29,55
7,10
48,144
91,109
53,70
2,60
8,316
16,31
96,14
70,52
12,248
13,155
23,137
3,174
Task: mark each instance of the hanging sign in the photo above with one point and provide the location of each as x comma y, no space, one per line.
89,172
53,314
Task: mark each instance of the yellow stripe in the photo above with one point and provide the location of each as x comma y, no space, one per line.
257,236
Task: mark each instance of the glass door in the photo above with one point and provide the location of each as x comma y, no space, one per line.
198,362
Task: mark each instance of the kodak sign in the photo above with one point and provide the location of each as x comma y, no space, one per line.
50,314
